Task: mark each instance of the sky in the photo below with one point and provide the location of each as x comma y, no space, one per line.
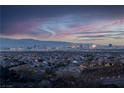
78,24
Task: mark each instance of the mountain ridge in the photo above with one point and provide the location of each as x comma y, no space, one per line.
5,42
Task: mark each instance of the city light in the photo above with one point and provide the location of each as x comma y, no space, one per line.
93,46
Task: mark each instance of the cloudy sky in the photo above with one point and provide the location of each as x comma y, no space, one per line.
84,24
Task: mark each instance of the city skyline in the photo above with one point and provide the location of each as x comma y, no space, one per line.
78,24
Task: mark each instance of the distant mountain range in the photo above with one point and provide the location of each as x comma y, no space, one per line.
4,42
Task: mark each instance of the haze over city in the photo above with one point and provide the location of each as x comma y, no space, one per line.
78,24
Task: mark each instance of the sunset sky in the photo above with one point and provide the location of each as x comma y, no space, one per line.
84,24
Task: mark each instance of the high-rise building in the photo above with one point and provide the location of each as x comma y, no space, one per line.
110,45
